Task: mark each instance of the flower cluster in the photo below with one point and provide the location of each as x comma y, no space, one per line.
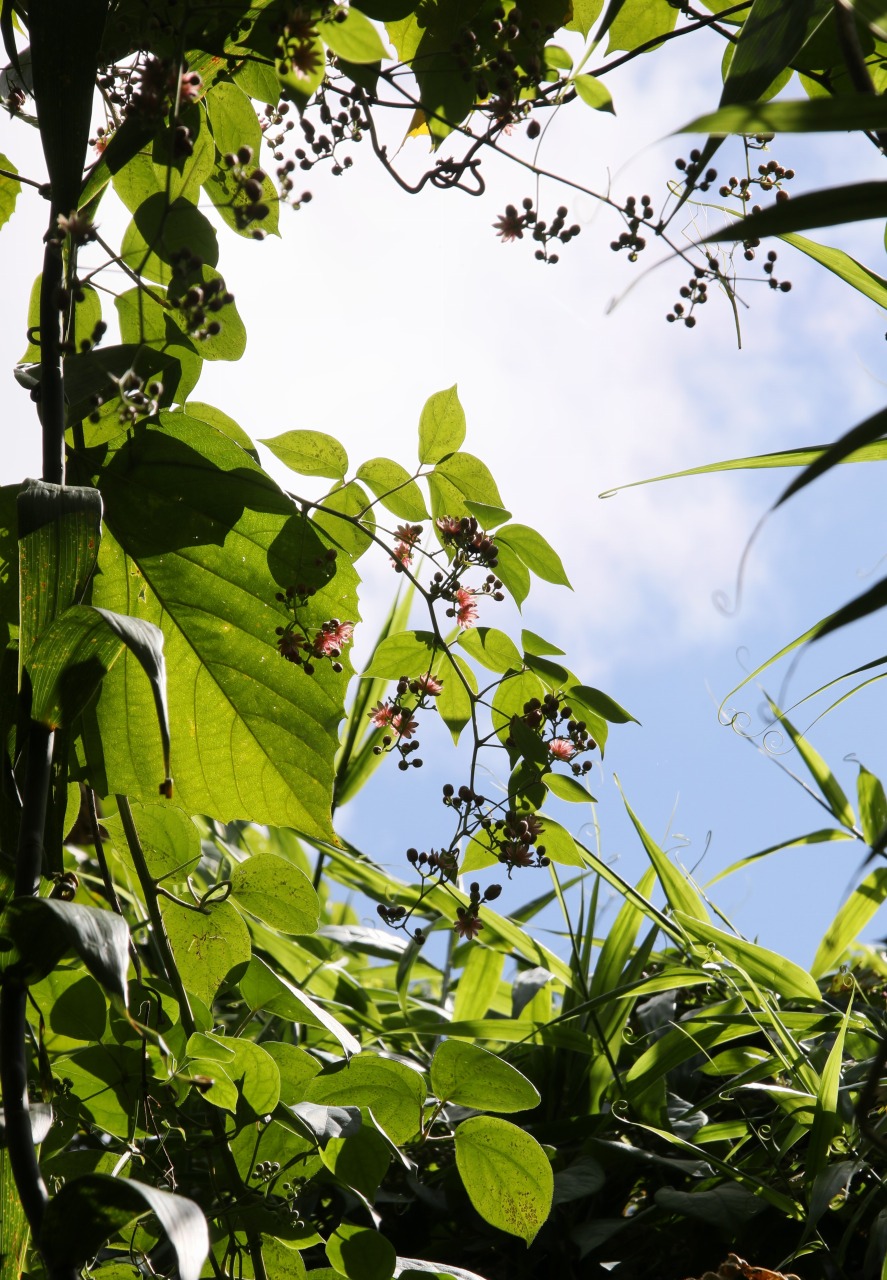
563,735
512,224
468,922
408,536
296,643
396,716
470,546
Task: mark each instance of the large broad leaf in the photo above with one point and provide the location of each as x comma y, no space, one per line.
506,1174
394,1093
273,889
209,946
88,1210
202,542
43,929
9,189
441,426
361,1253
473,1077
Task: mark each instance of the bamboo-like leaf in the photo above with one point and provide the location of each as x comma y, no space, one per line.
826,1122
679,891
851,442
841,264
772,971
854,202
849,922
813,837
820,772
807,115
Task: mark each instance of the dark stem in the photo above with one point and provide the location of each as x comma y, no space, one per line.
29,862
16,1109
107,880
52,401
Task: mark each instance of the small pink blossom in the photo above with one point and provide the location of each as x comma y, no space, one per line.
402,555
290,646
516,854
429,685
562,748
332,638
466,614
381,715
467,925
510,225
449,526
405,727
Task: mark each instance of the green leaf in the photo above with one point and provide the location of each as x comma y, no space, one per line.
9,190
844,112
232,202
394,1093
771,37
295,1066
851,919
856,438
43,929
477,987
863,279
854,202
510,697
454,703
359,1253
181,176
639,21
513,573
221,422
441,426
79,648
872,805
491,648
230,342
170,841
471,478
770,970
813,837
531,643
310,453
160,231
246,1064
355,38
202,541
600,704
594,93
59,530
406,653
262,988
506,1174
585,15
472,1077
567,788
232,119
393,486
360,1161
535,552
210,946
822,775
826,1121
351,533
90,1209
559,845
487,516
277,892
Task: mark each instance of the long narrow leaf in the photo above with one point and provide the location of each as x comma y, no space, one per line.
855,202
806,115
851,919
678,888
820,772
856,438
814,837
841,264
772,971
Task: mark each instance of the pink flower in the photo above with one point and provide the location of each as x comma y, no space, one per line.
402,554
408,535
466,614
403,724
289,645
467,925
332,638
449,526
516,854
429,685
562,748
381,715
510,225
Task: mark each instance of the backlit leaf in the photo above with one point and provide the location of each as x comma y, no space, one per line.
9,189
594,93
359,1253
535,552
277,892
472,1077
441,426
310,453
506,1174
394,1093
393,485
765,967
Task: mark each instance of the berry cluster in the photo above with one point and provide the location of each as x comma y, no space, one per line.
564,737
247,204
468,922
631,240
692,171
201,301
296,643
334,129
511,837
148,89
511,225
137,398
693,294
395,716
506,63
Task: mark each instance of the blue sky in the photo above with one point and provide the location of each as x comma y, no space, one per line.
373,300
